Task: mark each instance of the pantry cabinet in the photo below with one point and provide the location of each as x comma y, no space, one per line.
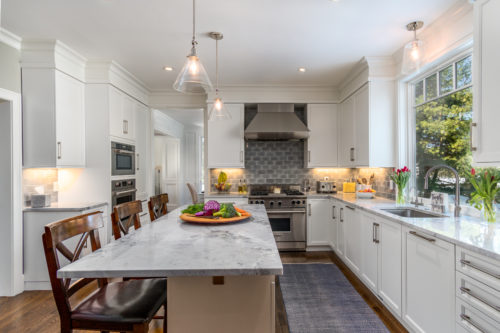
122,115
486,70
225,139
367,127
321,147
53,119
319,220
428,282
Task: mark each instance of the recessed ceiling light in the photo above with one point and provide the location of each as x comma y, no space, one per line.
168,68
301,69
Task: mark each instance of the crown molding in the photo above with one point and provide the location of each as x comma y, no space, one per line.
10,39
167,99
111,72
42,53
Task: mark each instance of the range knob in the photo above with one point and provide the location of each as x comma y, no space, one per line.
271,203
304,202
279,203
251,201
293,202
262,202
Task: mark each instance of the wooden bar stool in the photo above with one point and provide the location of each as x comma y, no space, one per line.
127,306
157,206
124,215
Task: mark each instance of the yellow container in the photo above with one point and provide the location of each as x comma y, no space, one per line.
349,187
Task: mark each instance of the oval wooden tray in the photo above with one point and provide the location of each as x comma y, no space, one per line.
195,219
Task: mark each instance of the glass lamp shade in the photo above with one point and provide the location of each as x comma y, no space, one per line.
193,78
218,111
413,55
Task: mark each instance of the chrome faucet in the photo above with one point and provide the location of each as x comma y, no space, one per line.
457,185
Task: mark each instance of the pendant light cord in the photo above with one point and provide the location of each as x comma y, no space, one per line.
216,66
193,42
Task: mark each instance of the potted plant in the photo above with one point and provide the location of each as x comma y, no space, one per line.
485,191
400,177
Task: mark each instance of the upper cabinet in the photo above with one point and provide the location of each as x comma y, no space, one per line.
486,113
225,139
122,115
53,119
322,145
367,127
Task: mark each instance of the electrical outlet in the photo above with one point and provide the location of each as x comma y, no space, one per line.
391,184
326,178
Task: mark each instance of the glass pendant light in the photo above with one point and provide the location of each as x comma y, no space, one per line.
218,111
193,78
413,52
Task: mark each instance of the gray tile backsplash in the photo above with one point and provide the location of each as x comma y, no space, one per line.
282,162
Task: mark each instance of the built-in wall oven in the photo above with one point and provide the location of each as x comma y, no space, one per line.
122,191
122,159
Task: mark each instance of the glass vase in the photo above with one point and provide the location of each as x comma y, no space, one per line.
400,196
489,211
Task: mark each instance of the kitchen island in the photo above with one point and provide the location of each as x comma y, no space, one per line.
220,277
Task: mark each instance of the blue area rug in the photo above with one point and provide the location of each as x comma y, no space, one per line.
318,299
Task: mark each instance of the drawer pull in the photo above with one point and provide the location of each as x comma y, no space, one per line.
471,322
482,300
414,233
479,268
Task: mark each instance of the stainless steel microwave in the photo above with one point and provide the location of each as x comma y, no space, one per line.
122,159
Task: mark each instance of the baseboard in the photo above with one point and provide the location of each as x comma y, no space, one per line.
37,285
318,248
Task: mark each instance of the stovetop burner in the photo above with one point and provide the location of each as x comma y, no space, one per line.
293,192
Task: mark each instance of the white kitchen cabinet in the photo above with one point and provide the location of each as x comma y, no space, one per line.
340,246
36,276
322,144
142,149
225,139
367,126
53,119
319,213
334,222
486,70
122,115
369,249
428,282
352,237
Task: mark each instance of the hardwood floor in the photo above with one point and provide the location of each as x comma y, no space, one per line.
35,311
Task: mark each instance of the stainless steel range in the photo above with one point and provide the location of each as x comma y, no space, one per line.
287,214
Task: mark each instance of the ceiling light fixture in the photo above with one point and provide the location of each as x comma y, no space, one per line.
302,69
218,110
413,52
168,68
193,78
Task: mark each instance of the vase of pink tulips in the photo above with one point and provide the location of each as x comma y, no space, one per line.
485,190
400,177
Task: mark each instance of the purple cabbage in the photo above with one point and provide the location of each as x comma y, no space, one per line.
211,206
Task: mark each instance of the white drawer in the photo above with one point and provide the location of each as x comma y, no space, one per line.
469,319
479,267
479,295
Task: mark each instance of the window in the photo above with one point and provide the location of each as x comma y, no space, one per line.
442,109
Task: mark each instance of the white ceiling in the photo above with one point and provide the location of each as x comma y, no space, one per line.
265,41
187,117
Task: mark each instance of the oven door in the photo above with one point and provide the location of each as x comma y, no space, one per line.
123,162
123,196
288,225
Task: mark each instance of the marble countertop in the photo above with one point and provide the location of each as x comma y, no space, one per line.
226,194
468,232
66,207
170,247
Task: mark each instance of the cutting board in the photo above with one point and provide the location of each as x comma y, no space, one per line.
203,220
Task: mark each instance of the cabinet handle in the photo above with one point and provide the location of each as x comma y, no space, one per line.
309,209
125,126
309,156
137,161
479,268
377,226
341,214
482,300
59,150
351,208
333,213
241,156
470,322
472,125
414,233
352,154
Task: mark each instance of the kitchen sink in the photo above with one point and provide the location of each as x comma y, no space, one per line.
412,212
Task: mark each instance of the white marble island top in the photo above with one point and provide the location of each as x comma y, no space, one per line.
170,247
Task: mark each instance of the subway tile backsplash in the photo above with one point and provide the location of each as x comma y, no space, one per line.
282,162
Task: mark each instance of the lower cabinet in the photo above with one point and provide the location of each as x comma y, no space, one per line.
340,248
352,237
369,251
333,225
319,220
428,283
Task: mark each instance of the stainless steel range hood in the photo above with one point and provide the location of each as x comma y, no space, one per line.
276,122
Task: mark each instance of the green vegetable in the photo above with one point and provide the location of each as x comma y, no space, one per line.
193,209
226,211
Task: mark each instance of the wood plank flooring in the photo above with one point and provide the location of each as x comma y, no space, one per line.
35,311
